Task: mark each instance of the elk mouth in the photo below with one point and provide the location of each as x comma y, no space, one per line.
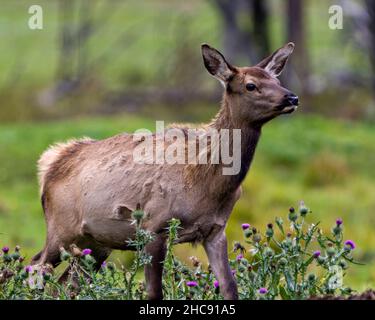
290,109
286,107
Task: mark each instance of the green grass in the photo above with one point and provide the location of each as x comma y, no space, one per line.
328,164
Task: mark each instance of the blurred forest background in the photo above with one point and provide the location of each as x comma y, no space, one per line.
101,67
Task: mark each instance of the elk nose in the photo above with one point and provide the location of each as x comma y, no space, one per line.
292,99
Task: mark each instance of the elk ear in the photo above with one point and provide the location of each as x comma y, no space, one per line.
216,64
275,63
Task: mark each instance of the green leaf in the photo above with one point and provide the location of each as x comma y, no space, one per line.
283,293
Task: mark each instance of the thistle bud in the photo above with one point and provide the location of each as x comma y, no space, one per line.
336,230
64,255
292,216
283,262
268,252
303,210
257,237
248,233
343,264
269,233
321,260
46,276
331,251
311,277
138,213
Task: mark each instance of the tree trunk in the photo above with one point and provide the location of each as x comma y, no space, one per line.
247,38
260,14
297,75
370,5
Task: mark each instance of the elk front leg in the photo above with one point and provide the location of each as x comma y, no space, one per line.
216,250
154,271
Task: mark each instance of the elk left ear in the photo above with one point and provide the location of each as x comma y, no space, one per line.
275,63
216,64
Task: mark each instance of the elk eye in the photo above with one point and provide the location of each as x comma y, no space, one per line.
250,86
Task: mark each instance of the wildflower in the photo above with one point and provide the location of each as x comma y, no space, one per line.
343,264
321,260
279,222
269,231
316,254
287,243
216,284
339,222
292,214
111,266
248,233
86,252
138,214
263,290
241,268
233,272
192,284
283,262
268,252
15,255
46,276
237,246
104,264
64,255
29,269
303,210
350,245
245,226
5,250
257,237
331,252
311,277
239,257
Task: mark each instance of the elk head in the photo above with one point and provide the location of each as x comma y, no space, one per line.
254,94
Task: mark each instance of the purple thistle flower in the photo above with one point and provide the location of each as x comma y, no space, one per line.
86,252
233,272
316,254
5,249
28,269
263,290
104,264
192,283
339,222
350,244
245,226
239,257
216,284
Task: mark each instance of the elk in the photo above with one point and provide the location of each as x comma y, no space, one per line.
89,188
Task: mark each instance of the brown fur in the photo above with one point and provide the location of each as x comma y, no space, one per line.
89,188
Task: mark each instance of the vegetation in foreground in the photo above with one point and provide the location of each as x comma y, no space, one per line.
330,165
289,260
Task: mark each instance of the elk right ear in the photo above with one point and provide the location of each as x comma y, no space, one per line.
275,63
216,64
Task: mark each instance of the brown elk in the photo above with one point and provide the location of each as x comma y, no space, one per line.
89,188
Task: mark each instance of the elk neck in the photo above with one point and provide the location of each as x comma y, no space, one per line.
220,184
